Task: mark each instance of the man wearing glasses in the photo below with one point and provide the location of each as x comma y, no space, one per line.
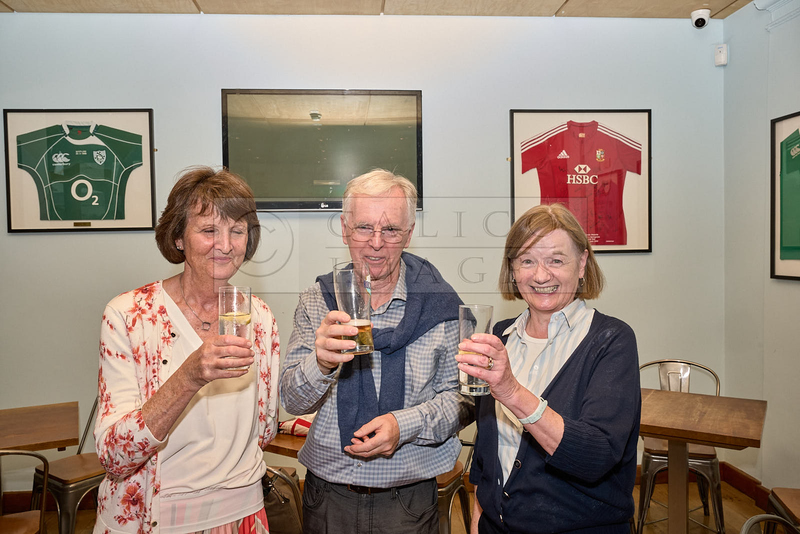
386,422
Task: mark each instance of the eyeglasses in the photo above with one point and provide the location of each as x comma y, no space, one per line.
364,232
551,264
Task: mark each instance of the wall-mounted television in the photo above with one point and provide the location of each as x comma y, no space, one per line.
298,148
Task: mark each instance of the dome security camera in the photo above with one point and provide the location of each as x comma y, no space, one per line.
700,18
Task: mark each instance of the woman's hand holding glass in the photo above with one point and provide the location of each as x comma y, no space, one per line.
218,357
490,363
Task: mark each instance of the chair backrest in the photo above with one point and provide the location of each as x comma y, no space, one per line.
45,470
88,426
674,375
754,524
468,461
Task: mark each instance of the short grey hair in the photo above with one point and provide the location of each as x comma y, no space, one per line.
380,182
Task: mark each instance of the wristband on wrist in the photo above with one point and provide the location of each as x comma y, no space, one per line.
535,416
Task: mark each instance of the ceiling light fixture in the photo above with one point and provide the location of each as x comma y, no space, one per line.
316,116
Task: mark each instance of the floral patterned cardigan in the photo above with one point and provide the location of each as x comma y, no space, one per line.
136,337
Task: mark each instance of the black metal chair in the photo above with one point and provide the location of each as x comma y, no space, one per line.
785,502
29,522
70,479
763,523
450,485
674,376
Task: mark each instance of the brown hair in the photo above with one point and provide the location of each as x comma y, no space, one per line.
218,190
540,221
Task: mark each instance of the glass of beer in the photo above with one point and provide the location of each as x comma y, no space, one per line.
234,312
352,285
473,319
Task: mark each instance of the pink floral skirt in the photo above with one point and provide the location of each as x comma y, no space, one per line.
252,524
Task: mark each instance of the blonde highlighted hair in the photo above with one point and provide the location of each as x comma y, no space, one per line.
536,223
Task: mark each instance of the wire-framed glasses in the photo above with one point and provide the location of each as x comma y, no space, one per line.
364,232
549,263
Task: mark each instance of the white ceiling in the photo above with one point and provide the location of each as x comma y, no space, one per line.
506,8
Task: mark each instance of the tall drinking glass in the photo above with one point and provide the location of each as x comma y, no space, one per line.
234,312
473,319
352,285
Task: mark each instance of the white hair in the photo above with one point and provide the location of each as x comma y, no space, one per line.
380,182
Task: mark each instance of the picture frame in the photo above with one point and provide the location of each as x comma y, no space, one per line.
299,148
595,162
785,197
79,170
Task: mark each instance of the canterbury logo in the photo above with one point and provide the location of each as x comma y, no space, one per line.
795,151
582,169
563,155
60,158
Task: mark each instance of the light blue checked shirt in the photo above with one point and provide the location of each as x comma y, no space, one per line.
535,363
434,409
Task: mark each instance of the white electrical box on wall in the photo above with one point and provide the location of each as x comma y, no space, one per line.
721,55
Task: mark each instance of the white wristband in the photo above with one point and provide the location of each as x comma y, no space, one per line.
535,416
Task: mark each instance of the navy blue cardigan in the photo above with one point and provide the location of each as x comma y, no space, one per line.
587,484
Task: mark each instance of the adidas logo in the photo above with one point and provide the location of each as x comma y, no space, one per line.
563,155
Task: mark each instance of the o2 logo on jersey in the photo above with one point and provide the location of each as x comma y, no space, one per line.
60,158
99,156
81,194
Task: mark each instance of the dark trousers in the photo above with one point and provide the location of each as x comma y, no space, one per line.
333,509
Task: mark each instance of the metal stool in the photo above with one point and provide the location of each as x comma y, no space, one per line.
70,479
449,485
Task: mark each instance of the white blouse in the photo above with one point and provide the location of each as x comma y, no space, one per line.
206,480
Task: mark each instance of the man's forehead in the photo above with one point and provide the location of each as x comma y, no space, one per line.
377,216
382,210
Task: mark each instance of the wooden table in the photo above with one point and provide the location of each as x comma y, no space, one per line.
36,428
286,445
682,418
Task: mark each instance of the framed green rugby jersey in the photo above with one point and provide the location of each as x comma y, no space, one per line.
89,170
80,170
790,197
785,197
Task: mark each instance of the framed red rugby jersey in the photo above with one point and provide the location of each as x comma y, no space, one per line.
588,166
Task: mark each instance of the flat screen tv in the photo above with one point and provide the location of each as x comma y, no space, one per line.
298,148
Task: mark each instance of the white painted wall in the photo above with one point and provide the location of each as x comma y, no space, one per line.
471,72
762,339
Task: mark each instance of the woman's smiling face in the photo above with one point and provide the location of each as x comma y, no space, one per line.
214,246
547,273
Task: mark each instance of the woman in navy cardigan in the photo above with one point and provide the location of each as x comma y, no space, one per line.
555,449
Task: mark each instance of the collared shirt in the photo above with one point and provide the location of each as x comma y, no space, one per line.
534,363
434,409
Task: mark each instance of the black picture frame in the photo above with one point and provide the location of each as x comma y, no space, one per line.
79,170
784,197
298,148
596,162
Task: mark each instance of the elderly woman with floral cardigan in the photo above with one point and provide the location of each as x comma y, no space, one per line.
185,413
